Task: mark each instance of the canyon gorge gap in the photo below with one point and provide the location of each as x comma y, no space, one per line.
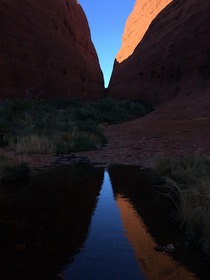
46,51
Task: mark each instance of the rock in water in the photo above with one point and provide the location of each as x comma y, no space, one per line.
46,51
165,51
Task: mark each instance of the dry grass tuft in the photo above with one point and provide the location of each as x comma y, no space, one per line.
32,144
187,185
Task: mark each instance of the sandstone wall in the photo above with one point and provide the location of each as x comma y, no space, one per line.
137,25
46,51
173,56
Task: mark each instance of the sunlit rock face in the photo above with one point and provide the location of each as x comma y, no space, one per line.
137,24
46,51
172,57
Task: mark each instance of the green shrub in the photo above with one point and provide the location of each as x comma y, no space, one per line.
136,109
65,103
17,106
31,126
62,148
88,125
83,143
105,104
88,112
117,114
64,142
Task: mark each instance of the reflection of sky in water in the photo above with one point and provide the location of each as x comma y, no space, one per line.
107,254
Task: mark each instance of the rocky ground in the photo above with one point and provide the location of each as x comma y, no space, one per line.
179,127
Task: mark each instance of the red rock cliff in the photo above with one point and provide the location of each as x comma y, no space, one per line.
46,51
172,56
137,24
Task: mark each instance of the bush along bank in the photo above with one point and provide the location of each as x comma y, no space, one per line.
62,125
186,182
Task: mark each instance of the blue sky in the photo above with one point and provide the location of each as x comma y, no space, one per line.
107,20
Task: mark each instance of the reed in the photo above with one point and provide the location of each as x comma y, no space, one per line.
187,185
32,144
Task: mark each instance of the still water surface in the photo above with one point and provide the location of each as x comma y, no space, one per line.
119,247
107,253
85,223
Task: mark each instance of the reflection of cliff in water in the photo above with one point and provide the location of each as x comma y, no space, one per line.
156,266
46,220
142,210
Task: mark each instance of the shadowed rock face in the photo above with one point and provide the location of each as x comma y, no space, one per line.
173,56
46,51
